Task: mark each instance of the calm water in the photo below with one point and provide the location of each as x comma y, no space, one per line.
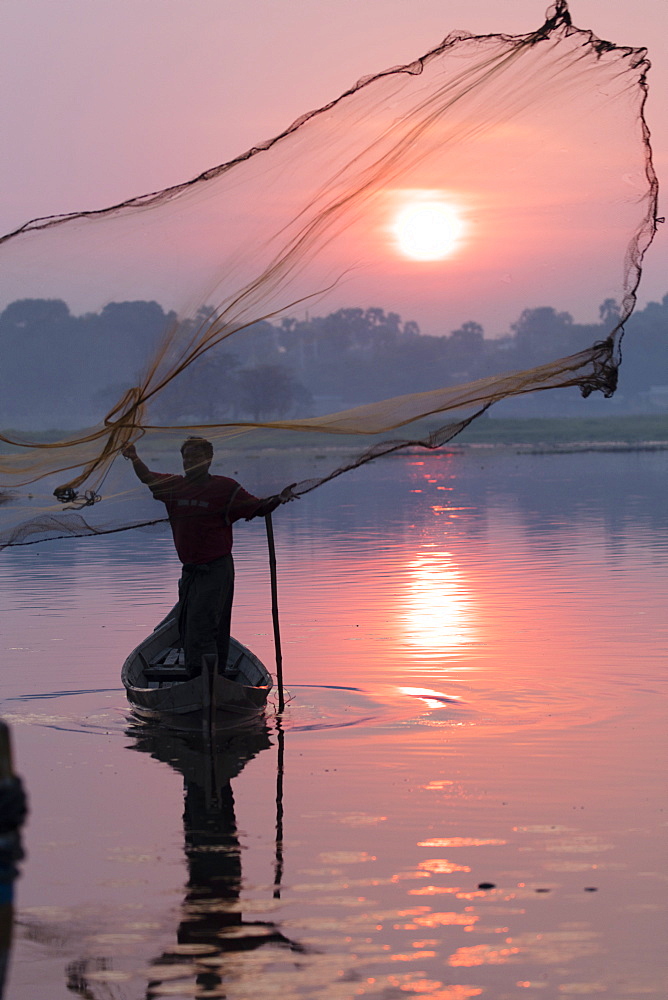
475,653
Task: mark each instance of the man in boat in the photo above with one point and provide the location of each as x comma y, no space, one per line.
201,510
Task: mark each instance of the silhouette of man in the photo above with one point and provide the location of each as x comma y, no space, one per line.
201,510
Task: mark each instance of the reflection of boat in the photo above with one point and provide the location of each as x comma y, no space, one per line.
158,687
211,929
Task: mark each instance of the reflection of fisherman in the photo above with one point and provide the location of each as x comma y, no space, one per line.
211,914
201,510
211,929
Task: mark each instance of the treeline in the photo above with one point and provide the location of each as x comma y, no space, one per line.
64,370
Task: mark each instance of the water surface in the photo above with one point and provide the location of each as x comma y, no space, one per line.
465,796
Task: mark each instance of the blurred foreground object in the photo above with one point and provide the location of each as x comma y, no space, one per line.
13,811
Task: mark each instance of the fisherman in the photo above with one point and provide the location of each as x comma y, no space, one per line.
201,510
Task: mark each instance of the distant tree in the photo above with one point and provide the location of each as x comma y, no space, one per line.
38,337
118,340
468,336
645,349
35,313
419,363
35,328
540,323
258,344
205,390
269,390
340,331
609,314
542,333
287,335
385,327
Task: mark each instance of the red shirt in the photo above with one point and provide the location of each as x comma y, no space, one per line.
201,514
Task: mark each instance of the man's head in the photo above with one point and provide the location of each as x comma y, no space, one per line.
196,453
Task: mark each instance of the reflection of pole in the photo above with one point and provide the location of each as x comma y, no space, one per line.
274,611
208,680
278,867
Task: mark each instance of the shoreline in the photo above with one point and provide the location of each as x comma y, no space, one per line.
532,435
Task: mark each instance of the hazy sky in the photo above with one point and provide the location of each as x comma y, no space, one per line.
105,99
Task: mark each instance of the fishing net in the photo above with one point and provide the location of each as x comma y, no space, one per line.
239,304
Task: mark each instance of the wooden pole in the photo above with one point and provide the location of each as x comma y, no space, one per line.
274,611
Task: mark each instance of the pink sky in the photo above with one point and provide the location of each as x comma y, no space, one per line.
114,98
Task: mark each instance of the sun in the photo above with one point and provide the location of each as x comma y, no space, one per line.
428,229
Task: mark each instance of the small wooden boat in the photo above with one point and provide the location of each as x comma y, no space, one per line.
159,689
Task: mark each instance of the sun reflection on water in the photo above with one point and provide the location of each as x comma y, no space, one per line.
439,614
433,699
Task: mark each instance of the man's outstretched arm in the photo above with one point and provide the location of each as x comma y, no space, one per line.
142,471
265,506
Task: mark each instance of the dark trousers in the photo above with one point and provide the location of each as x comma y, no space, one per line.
205,611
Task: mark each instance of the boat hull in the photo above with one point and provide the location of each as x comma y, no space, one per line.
197,703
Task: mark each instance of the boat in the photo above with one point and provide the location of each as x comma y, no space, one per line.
159,689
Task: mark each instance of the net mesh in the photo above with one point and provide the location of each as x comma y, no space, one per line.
538,141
